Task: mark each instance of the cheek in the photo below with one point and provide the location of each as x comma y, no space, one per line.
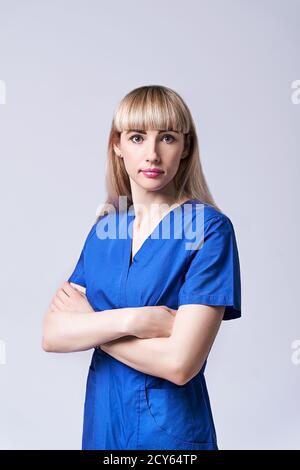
173,164
131,163
133,155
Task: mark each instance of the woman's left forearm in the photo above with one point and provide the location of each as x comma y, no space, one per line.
153,356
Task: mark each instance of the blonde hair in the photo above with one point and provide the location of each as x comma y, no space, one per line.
155,107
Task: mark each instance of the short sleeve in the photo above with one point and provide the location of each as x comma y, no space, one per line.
213,270
78,276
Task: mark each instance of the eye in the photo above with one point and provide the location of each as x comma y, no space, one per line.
135,135
169,136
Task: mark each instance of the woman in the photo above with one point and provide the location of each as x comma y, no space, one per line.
150,306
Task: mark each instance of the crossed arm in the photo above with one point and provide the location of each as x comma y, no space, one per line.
177,358
180,356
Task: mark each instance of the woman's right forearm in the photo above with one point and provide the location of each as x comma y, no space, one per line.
73,331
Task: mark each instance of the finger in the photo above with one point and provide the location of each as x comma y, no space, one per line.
171,311
72,288
58,304
53,308
61,294
66,289
78,287
74,291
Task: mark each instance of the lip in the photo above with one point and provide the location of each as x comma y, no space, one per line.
152,173
152,170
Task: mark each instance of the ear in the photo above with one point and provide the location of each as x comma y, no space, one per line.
116,144
187,145
117,150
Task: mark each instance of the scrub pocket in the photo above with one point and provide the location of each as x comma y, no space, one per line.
175,418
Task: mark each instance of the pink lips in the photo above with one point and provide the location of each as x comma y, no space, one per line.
152,172
158,170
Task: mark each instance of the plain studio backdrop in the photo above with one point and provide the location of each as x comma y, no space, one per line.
64,66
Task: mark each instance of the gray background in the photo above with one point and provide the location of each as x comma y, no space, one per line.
66,65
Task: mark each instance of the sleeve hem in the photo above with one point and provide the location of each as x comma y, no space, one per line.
230,313
75,280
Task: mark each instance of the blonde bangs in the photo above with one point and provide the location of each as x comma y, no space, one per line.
152,108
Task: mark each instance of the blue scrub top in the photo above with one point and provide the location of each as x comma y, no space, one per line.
191,257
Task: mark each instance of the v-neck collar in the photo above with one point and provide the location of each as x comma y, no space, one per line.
131,217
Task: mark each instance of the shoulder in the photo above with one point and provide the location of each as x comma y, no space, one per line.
211,217
92,234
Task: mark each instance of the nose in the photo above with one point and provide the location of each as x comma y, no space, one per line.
152,155
152,158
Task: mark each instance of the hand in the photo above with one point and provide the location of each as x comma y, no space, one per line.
70,299
151,321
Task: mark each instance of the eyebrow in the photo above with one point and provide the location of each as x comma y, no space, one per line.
143,132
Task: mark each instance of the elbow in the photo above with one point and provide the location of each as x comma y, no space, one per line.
46,345
54,345
57,343
52,336
180,378
48,342
48,330
179,374
183,372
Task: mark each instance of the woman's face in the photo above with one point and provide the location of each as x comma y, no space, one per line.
156,149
